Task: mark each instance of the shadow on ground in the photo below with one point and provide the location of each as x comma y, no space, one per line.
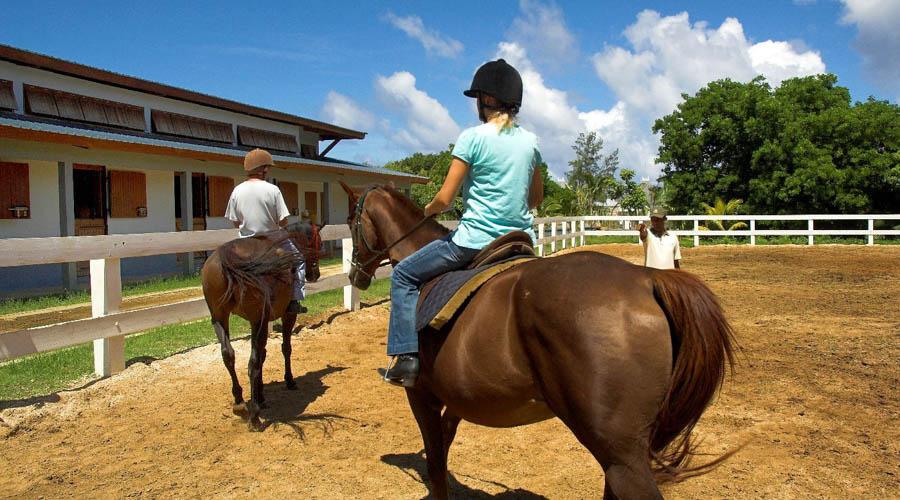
413,465
288,407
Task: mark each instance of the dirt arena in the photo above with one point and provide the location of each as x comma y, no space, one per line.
815,396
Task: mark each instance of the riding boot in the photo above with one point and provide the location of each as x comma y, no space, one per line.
404,371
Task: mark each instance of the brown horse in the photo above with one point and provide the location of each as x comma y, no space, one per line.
252,277
627,357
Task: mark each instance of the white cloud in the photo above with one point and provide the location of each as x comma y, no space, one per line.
431,40
669,56
549,113
878,39
429,126
344,111
541,30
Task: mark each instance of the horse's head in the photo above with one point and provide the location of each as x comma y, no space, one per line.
385,225
305,236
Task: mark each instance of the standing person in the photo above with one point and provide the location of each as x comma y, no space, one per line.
257,206
495,164
661,248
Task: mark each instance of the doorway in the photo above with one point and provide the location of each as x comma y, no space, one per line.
90,197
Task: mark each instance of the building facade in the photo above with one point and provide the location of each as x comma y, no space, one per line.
84,151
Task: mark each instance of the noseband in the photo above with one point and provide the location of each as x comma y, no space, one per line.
357,233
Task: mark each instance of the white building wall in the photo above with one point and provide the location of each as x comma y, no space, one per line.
43,184
42,78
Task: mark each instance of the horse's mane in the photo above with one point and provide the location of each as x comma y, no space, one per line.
410,205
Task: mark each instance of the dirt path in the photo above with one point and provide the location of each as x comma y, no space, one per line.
815,397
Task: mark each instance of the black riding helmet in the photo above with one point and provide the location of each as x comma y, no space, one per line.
499,80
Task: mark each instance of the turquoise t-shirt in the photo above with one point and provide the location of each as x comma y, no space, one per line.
495,191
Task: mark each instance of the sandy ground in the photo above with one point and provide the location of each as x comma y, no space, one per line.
815,396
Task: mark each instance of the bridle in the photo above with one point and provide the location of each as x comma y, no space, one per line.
357,233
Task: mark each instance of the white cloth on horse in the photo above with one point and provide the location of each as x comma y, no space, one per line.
298,288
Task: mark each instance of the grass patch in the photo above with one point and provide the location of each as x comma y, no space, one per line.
10,306
49,372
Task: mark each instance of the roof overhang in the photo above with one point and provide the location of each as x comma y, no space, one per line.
24,130
326,131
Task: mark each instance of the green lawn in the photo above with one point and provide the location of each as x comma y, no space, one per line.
46,373
84,296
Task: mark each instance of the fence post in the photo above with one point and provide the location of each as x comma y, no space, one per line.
106,296
351,293
553,235
564,226
752,232
540,235
696,233
572,231
811,237
582,232
871,232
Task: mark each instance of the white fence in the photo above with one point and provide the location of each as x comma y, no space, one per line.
108,326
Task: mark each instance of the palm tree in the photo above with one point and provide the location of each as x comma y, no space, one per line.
720,207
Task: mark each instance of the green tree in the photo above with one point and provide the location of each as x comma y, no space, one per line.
590,176
434,166
633,199
720,207
800,148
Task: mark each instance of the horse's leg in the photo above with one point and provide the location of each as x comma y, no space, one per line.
220,325
427,410
258,338
630,481
287,325
449,424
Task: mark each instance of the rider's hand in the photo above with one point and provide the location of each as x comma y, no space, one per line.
432,209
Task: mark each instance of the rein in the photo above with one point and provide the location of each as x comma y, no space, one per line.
358,234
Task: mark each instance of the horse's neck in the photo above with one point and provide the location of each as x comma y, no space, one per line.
397,221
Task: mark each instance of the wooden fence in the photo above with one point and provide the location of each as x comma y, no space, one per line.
109,326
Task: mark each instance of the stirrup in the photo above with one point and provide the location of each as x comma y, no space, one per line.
407,382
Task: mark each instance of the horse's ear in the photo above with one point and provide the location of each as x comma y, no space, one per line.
391,185
348,190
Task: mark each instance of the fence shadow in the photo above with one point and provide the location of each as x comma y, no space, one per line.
414,465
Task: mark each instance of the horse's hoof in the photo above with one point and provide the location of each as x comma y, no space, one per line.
255,425
240,409
290,385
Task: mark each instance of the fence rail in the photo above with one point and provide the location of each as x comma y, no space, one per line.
108,327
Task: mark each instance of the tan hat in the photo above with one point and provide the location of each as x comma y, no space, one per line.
659,213
258,158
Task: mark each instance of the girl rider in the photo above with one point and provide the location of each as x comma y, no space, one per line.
496,165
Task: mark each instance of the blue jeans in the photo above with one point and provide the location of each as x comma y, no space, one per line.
298,286
435,258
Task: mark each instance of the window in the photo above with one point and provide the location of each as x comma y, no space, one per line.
7,98
219,191
268,140
308,151
127,194
168,123
14,195
291,195
59,104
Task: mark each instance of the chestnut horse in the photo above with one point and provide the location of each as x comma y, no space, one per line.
626,356
252,277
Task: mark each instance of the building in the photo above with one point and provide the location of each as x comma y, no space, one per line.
84,151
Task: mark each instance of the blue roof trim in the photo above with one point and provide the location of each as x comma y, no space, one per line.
38,126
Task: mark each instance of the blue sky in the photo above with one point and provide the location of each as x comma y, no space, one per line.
397,69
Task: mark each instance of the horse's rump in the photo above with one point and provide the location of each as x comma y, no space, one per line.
248,262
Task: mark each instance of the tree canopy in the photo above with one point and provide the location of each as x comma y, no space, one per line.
800,148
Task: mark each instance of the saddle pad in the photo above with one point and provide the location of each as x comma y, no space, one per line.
440,301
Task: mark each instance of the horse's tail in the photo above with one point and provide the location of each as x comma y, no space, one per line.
702,344
248,275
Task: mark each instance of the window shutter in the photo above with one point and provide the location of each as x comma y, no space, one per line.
14,190
165,122
291,196
268,140
40,101
127,194
219,191
7,98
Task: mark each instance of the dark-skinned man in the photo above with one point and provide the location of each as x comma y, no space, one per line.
661,248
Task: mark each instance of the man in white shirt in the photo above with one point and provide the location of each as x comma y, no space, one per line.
257,206
661,248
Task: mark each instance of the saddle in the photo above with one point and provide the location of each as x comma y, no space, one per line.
441,298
